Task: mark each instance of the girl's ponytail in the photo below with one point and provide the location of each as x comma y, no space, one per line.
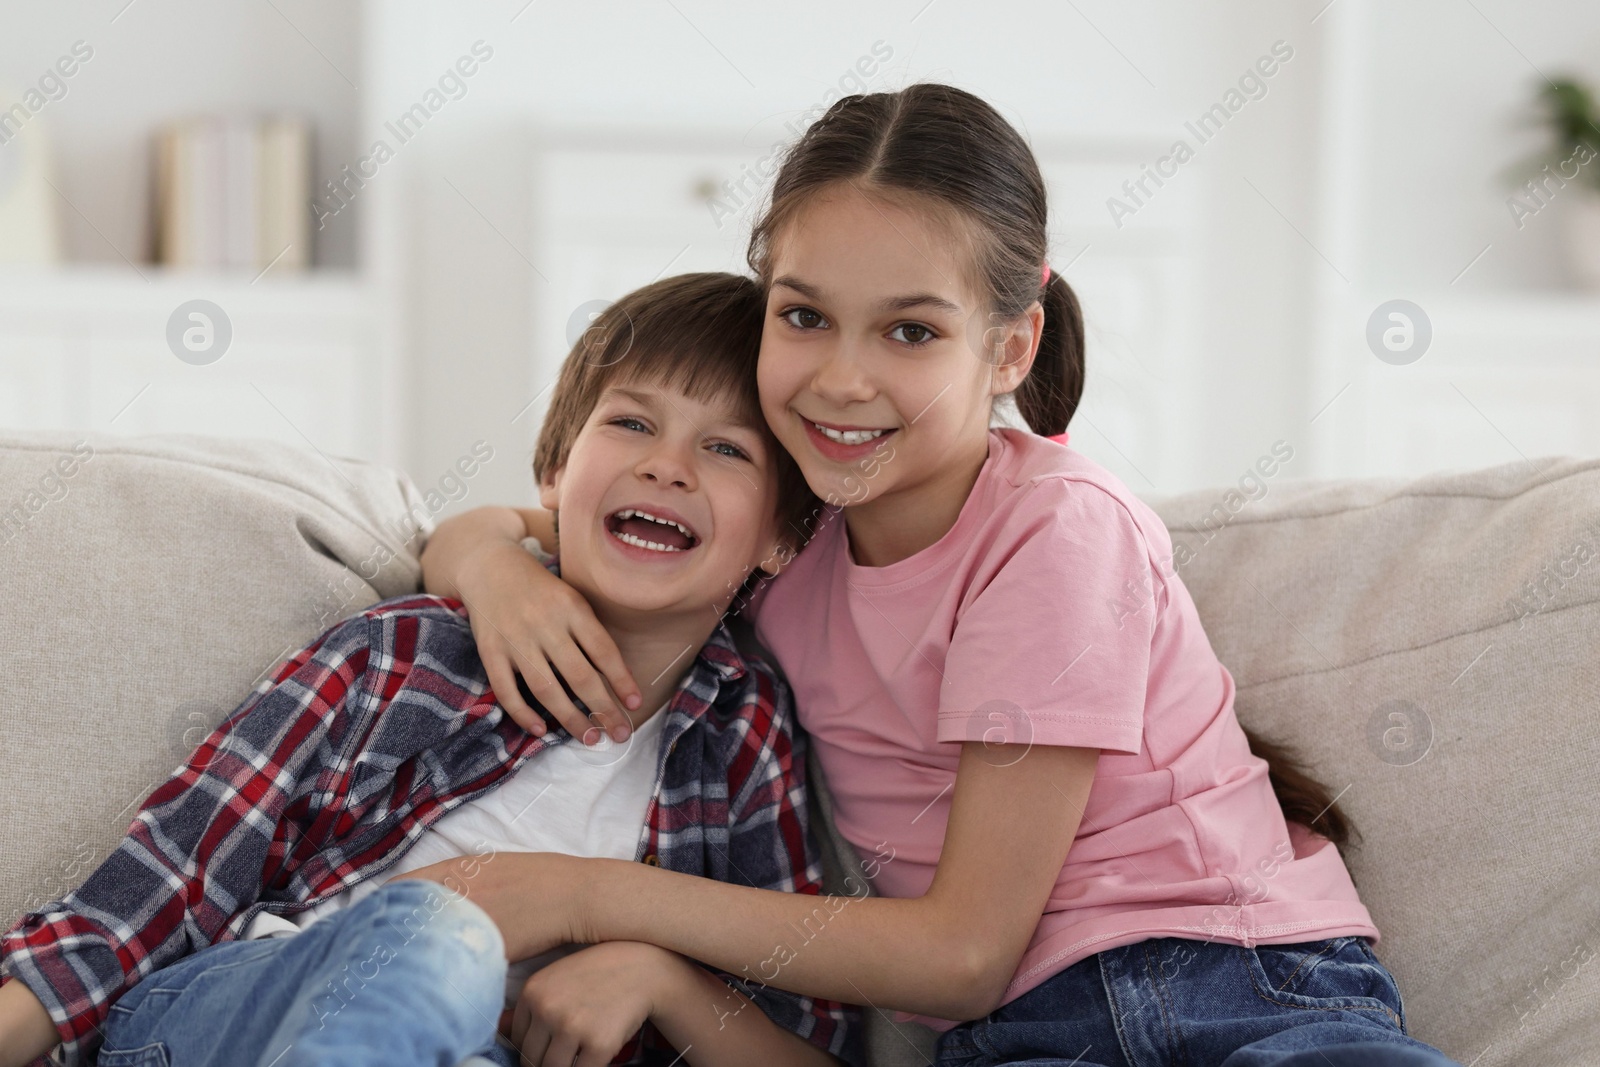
1049,395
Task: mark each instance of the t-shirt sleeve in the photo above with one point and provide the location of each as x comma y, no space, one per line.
1054,648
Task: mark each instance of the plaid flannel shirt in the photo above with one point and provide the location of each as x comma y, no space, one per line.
333,768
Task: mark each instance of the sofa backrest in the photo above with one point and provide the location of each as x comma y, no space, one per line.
149,583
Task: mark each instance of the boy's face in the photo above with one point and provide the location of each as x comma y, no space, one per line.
667,503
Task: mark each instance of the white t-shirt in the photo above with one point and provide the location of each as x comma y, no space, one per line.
580,800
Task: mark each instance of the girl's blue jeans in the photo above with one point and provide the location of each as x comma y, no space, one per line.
411,974
1176,1002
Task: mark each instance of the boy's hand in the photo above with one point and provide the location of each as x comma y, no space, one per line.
584,1007
526,620
26,1030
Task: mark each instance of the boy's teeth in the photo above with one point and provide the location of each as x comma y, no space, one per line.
849,437
628,538
632,513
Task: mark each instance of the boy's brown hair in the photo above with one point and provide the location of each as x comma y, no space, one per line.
699,333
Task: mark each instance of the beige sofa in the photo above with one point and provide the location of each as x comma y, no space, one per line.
1430,646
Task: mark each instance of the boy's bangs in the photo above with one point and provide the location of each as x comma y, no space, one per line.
704,372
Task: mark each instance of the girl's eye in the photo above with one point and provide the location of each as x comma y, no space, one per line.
628,422
723,448
913,333
803,318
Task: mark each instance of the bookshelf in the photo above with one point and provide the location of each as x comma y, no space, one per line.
84,343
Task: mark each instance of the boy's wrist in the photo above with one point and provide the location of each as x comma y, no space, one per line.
26,1029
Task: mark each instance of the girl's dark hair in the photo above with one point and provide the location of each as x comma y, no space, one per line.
956,154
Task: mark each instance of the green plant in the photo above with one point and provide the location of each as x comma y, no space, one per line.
1574,124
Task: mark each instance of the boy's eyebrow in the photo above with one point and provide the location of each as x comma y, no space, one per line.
638,396
893,303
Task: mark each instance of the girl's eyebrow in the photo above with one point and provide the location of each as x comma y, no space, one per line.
903,303
893,303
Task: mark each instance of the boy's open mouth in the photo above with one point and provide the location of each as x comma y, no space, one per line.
644,529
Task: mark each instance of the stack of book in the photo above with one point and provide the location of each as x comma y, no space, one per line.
234,193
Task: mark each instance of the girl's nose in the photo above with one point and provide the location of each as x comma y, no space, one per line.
839,379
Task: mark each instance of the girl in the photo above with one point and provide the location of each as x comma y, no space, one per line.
1007,684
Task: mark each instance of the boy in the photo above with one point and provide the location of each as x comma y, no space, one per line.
277,901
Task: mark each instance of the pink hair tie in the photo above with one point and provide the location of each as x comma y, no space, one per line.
1044,279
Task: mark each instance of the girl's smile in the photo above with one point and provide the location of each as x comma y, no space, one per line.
844,444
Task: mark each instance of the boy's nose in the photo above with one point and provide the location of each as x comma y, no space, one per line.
666,466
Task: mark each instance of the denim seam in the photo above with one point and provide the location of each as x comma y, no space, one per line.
1115,1005
1164,1005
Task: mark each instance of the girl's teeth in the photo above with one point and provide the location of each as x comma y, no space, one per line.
849,437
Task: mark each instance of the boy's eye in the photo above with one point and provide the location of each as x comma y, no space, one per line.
913,333
723,448
803,318
628,422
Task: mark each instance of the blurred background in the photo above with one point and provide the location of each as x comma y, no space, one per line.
1365,232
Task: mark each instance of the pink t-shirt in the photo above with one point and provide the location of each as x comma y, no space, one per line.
1050,613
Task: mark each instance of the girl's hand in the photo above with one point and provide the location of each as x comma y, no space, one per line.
527,621
584,1007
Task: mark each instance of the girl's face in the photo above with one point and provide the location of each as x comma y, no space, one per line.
878,368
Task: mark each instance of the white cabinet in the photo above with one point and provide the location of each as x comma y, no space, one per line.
88,349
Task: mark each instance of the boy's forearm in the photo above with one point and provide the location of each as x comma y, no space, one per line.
458,538
713,1025
26,1030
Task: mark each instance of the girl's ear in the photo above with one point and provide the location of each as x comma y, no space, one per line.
1021,344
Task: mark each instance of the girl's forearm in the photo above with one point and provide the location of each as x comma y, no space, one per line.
458,538
917,954
713,1025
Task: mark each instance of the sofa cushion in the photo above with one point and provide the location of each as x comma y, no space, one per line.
149,583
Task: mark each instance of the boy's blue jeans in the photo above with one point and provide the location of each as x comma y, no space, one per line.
411,974
1176,1001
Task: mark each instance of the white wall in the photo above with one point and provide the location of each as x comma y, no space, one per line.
1371,168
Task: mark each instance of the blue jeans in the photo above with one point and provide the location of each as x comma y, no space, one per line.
411,974
1175,1001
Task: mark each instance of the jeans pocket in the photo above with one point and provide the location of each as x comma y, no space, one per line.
151,1055
1336,974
